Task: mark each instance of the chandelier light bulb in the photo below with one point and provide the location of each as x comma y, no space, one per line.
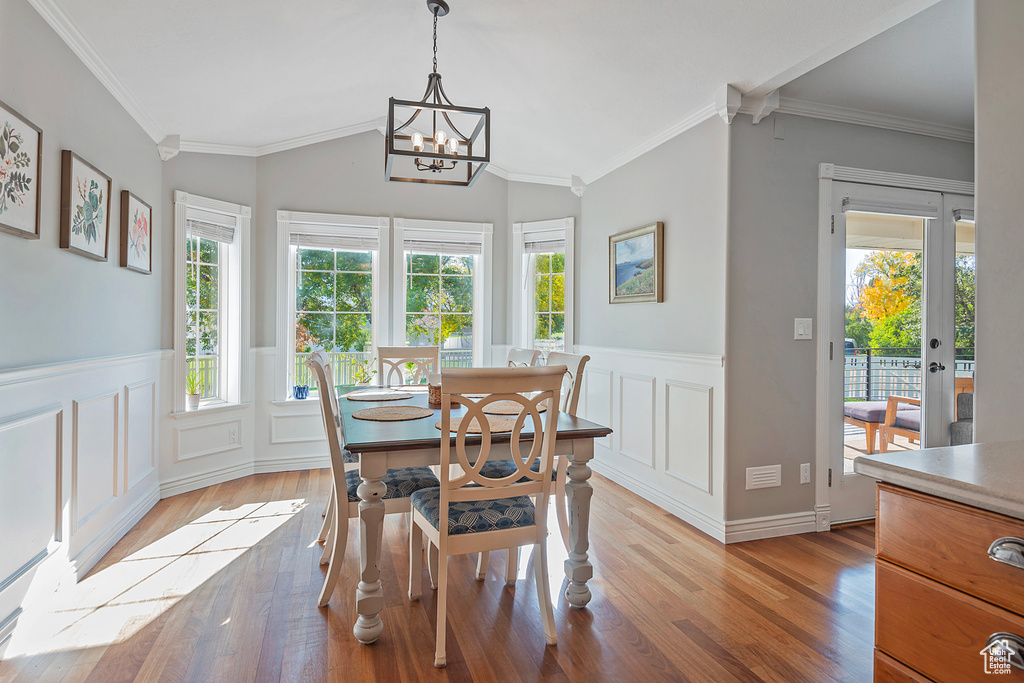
439,138
417,142
453,146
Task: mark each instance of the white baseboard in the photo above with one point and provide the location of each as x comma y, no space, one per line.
173,487
770,527
94,552
306,462
7,628
702,521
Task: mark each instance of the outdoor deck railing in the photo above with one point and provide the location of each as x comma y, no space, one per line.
207,369
872,374
345,365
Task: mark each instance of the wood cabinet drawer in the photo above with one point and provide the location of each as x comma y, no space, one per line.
888,670
935,630
949,542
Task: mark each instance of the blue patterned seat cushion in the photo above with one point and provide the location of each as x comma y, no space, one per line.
496,469
348,457
467,517
402,482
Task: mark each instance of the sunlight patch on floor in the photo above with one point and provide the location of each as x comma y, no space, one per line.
114,603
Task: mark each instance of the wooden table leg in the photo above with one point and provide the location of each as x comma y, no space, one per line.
578,492
370,591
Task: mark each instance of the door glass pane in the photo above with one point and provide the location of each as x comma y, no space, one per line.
963,303
882,354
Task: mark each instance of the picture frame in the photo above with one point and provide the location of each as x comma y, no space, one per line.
21,157
84,207
636,265
136,234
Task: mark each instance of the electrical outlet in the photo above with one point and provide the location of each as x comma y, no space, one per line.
805,473
233,435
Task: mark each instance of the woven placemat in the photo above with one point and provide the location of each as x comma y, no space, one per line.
392,413
497,424
377,395
508,408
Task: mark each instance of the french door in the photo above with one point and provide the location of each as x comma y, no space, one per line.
900,327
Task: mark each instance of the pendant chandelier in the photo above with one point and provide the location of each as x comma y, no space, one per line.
433,140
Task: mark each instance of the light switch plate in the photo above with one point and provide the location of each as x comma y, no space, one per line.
802,328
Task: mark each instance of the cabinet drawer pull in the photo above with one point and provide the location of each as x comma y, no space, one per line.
1007,645
1008,550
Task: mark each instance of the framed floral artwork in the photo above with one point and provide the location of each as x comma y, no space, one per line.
84,207
21,151
136,234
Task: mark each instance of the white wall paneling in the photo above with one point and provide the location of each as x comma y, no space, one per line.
207,438
94,456
296,429
667,413
140,410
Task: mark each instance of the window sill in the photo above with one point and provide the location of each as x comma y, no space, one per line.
312,400
210,407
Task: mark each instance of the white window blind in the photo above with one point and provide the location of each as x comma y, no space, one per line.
351,242
544,241
456,243
210,231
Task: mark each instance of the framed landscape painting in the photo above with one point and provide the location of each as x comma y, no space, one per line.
636,263
84,207
21,147
136,234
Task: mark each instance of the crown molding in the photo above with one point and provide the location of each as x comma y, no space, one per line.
69,33
539,179
628,155
816,110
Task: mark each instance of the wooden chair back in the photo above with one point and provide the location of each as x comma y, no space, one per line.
573,381
391,362
543,385
522,358
321,369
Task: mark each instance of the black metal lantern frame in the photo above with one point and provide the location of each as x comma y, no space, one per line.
433,140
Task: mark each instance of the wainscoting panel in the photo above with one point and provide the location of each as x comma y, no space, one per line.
297,428
667,412
208,438
94,457
688,454
140,402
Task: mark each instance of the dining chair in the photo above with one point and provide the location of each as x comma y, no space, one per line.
401,483
572,381
473,512
522,358
391,360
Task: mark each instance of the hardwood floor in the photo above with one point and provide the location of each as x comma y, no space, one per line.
221,585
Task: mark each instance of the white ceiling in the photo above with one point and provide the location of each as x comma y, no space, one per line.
921,69
574,86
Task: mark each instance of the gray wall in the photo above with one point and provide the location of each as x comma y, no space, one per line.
347,176
1000,159
532,202
683,183
55,305
228,178
773,261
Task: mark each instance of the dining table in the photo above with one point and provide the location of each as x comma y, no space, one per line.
412,443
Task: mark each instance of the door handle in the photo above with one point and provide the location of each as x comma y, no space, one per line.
935,367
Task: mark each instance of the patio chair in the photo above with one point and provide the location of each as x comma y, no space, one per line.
902,422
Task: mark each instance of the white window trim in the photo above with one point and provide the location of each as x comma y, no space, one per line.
482,286
323,223
520,329
235,337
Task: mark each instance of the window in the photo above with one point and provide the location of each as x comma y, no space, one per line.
543,289
211,337
332,271
445,276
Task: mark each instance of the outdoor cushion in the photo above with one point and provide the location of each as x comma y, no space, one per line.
466,517
496,469
909,419
872,411
402,482
965,406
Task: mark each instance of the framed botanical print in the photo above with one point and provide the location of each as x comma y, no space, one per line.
21,151
136,234
84,207
636,261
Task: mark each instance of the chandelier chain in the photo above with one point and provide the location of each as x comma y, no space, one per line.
435,42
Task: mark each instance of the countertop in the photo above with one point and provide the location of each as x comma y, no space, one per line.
986,475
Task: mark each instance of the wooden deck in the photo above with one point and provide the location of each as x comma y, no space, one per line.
221,585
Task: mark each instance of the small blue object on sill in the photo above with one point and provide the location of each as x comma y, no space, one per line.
300,392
